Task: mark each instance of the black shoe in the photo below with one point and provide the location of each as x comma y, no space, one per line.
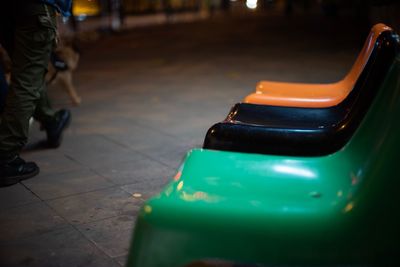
15,170
55,129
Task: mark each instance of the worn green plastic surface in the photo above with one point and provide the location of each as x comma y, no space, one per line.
337,209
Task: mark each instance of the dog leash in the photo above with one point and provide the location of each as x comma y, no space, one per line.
57,39
58,64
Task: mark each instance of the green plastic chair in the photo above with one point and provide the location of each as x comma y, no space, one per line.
336,209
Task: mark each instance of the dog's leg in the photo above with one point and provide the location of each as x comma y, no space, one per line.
66,80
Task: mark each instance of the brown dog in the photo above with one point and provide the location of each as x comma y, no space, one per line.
63,76
64,54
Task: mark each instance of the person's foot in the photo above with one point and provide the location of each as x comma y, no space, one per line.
15,170
55,130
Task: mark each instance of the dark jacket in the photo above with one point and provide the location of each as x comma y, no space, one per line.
62,6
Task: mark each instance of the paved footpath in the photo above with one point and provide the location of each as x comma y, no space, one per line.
149,95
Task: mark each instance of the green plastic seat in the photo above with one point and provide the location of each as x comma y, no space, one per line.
335,209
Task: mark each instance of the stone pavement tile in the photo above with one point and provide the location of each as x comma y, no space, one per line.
122,260
28,220
171,155
146,188
192,132
52,162
111,235
15,195
65,247
94,122
68,183
97,205
123,173
183,130
95,150
142,137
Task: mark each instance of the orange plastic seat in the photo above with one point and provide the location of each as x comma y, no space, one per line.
316,95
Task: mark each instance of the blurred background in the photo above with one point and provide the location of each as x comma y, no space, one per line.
116,12
152,77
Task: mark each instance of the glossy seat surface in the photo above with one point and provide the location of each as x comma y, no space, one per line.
333,210
316,95
304,131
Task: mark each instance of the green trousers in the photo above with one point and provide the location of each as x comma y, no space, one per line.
28,33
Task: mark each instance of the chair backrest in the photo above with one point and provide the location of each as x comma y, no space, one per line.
303,131
362,59
317,95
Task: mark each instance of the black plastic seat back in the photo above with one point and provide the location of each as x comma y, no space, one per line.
305,131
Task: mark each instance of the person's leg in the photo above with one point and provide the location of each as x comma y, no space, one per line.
33,42
44,112
52,122
33,39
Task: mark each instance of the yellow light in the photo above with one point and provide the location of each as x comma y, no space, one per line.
349,207
179,186
86,8
147,209
252,4
198,196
